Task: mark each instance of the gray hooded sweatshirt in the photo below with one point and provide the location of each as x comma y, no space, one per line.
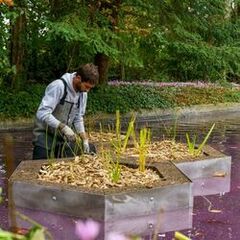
52,111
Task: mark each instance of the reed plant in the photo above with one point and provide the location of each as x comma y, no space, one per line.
1,198
130,133
144,141
195,149
75,149
171,131
115,169
119,145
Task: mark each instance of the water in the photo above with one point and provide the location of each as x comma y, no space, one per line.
222,223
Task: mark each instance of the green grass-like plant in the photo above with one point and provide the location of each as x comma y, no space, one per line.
130,133
1,198
171,131
120,145
77,146
115,169
144,140
192,147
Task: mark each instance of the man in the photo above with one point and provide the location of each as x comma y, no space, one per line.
59,119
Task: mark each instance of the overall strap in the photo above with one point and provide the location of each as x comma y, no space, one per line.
65,91
79,99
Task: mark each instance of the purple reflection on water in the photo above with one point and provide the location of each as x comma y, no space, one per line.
219,221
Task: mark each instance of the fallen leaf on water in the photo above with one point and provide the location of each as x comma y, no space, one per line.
214,210
217,221
219,174
199,234
210,207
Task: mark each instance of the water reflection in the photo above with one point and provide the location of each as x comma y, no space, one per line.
221,224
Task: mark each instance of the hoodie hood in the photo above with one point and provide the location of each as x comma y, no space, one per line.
68,77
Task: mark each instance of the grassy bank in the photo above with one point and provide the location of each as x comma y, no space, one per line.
106,99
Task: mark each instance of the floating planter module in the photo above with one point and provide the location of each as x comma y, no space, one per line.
165,204
210,173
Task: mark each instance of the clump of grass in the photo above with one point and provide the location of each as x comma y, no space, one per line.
120,145
171,132
74,149
1,198
144,141
192,147
115,169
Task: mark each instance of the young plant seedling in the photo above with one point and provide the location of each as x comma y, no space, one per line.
192,148
144,141
120,145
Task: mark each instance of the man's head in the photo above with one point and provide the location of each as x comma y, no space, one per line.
86,77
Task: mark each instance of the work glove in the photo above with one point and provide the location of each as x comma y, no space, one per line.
86,148
68,133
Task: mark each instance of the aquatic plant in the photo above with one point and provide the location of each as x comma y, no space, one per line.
120,145
1,198
180,236
78,146
113,166
130,133
115,169
144,140
171,131
192,147
36,232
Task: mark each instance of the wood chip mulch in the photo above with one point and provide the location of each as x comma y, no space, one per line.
93,172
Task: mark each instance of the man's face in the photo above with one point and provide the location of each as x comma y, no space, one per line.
83,86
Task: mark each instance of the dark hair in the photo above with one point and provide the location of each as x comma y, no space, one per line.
89,73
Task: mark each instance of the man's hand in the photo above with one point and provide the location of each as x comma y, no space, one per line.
86,148
68,133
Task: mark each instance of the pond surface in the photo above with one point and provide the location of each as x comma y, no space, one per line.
210,225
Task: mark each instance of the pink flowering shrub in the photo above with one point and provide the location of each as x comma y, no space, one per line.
197,84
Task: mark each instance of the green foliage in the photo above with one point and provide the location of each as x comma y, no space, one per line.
115,171
158,40
117,145
171,131
196,151
1,198
202,41
108,99
5,17
130,133
20,104
125,98
35,233
144,141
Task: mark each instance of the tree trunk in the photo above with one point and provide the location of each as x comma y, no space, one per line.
17,52
102,61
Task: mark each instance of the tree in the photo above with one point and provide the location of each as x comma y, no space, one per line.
17,43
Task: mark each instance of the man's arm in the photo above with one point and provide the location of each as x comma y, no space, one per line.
79,118
53,94
79,122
